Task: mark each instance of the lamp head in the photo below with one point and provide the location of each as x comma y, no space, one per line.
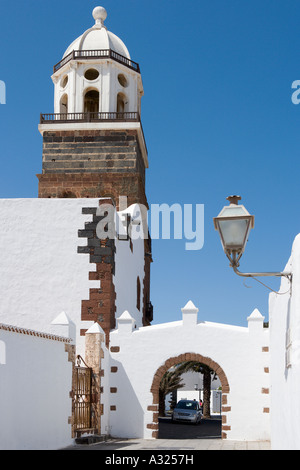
234,224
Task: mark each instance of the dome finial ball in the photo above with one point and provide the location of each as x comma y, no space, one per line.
99,14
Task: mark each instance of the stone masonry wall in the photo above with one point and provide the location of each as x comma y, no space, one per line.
92,163
100,307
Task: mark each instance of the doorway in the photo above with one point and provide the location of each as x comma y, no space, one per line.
212,425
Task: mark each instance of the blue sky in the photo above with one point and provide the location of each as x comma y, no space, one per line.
217,116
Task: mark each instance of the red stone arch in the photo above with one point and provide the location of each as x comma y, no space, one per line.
177,360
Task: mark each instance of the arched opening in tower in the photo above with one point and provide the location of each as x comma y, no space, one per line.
91,101
64,104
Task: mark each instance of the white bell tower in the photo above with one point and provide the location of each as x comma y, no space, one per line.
94,144
97,75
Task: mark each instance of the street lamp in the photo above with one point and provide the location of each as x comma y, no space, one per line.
234,224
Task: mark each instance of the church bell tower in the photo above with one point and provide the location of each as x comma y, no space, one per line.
94,147
93,143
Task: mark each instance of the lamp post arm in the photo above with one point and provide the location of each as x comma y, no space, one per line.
235,263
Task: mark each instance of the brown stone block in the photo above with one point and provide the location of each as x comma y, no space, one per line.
225,409
152,408
152,426
224,398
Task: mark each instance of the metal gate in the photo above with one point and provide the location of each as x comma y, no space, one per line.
83,398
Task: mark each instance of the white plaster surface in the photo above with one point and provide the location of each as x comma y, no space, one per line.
237,350
285,358
43,279
41,273
35,381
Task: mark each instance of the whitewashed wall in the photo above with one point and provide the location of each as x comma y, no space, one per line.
129,265
285,358
35,381
237,350
107,84
41,273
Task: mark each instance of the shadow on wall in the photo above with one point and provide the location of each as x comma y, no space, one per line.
2,353
127,419
288,339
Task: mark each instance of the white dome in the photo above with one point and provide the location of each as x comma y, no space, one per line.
98,37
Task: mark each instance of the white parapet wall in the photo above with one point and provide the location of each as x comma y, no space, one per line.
35,385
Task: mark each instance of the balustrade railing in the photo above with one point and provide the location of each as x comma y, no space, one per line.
89,117
97,54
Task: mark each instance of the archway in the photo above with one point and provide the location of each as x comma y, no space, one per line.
91,101
64,104
175,361
122,103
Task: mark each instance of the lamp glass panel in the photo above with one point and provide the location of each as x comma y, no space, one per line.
234,232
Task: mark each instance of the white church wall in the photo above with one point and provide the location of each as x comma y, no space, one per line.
238,351
130,266
104,397
285,358
35,382
43,275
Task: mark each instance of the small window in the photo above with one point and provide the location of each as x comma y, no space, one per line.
64,81
67,195
122,80
91,74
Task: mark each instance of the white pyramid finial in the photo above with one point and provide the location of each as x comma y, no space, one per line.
94,329
189,306
61,319
190,314
256,315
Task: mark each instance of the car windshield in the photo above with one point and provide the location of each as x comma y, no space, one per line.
187,405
